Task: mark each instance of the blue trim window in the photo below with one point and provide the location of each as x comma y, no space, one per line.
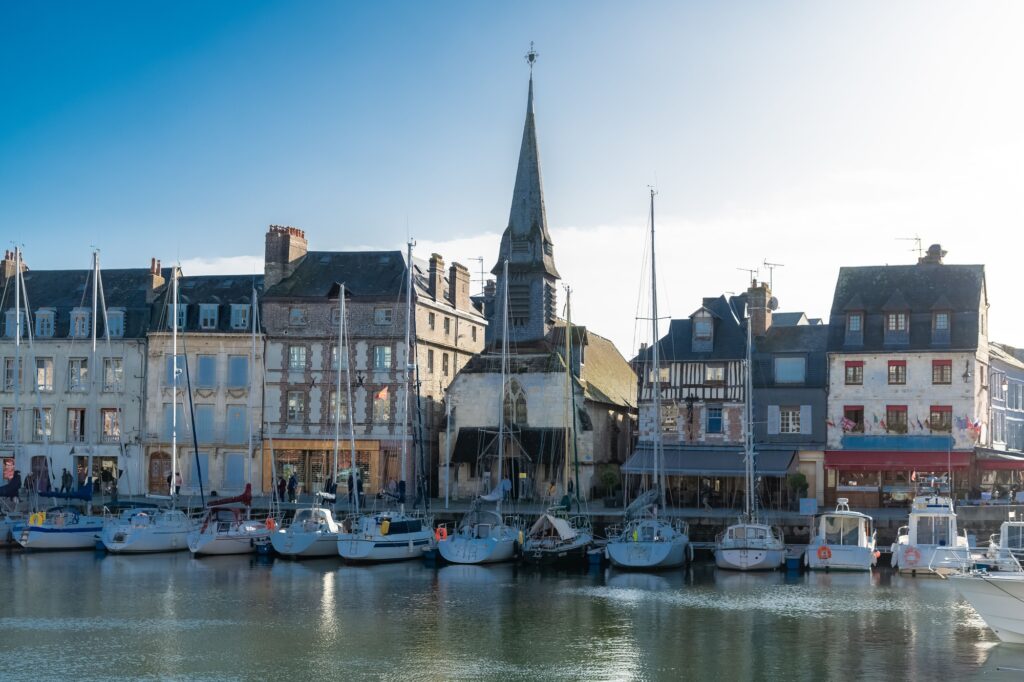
714,419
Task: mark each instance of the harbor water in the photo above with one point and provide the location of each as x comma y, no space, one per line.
86,616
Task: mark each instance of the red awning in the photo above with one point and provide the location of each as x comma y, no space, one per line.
895,460
1001,462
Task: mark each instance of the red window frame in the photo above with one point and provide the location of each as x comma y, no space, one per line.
889,426
854,364
947,424
937,365
897,363
859,428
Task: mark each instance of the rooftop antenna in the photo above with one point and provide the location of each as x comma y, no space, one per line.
917,242
531,58
483,280
771,272
752,272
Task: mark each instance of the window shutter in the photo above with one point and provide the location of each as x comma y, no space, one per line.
805,419
773,420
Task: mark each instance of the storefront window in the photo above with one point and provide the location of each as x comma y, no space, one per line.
865,481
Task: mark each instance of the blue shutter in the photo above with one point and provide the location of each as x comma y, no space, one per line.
806,427
204,423
234,471
202,470
237,425
207,371
238,371
774,420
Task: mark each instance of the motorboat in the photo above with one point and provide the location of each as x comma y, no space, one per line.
227,530
385,536
845,541
557,538
482,537
58,528
999,600
146,529
930,542
750,547
1006,548
312,532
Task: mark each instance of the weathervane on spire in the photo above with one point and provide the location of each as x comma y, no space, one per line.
531,57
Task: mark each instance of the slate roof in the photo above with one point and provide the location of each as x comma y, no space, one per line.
64,290
1000,352
789,319
875,289
730,336
808,341
193,291
366,274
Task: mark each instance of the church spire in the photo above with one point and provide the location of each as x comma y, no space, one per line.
526,241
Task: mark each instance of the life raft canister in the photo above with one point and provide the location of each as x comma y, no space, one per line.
270,523
824,553
385,526
912,555
441,533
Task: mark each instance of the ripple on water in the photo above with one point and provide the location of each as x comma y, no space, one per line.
139,625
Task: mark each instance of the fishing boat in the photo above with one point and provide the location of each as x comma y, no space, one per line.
227,528
312,532
845,541
483,536
1006,548
391,535
648,541
930,541
141,530
750,544
999,600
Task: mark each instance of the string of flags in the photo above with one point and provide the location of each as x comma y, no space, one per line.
913,423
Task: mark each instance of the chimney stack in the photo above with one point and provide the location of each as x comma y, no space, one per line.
9,266
458,286
285,249
933,256
437,277
758,297
155,279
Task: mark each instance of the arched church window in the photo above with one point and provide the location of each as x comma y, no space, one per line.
515,404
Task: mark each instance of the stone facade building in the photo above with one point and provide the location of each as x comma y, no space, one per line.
224,366
300,318
69,402
1000,460
909,386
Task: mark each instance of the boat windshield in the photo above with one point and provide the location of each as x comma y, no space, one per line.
1013,536
749,533
842,530
933,530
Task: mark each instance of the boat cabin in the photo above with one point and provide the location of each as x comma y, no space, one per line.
313,519
844,527
933,522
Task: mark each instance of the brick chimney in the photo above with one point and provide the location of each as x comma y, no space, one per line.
9,266
933,256
437,276
285,249
458,286
758,296
155,280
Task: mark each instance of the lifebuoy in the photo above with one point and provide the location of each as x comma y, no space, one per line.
37,519
912,555
824,553
441,533
270,523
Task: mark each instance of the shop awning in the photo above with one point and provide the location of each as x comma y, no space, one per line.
993,460
681,461
535,444
895,460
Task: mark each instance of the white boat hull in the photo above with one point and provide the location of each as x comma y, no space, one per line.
750,558
211,544
119,540
927,558
459,549
643,554
377,548
840,558
999,600
81,535
300,544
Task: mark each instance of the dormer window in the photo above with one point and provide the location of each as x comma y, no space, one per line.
182,310
702,329
207,316
297,317
940,327
44,323
12,326
703,339
80,318
239,316
115,323
897,329
855,328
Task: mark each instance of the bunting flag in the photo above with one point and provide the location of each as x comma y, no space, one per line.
830,422
876,418
920,425
882,424
848,424
382,394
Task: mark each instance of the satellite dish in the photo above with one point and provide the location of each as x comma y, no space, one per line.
773,303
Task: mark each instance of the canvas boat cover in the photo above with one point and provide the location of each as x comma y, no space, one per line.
548,523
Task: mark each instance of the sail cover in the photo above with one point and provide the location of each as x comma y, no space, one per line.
640,504
499,492
84,492
552,525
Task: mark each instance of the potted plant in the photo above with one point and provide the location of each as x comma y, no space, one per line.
797,484
609,478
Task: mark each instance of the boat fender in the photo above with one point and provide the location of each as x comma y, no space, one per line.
824,553
385,526
636,535
520,538
271,524
912,556
441,533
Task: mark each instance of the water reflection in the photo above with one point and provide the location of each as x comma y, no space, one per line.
242,617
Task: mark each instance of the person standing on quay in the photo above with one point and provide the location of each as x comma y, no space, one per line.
293,484
281,485
65,481
177,483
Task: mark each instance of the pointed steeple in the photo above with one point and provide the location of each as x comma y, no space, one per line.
526,241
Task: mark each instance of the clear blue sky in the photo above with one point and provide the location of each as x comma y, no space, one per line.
808,133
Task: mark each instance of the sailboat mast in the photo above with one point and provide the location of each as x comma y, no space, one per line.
405,373
568,385
337,379
504,372
659,469
749,435
343,353
174,382
17,349
92,358
252,371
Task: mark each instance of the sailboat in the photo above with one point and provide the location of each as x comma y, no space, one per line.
483,536
749,545
145,529
392,535
648,541
313,531
62,527
558,535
